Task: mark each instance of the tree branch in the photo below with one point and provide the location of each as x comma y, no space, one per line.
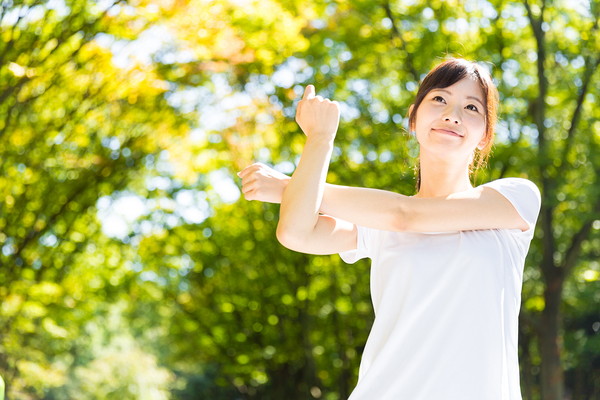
574,250
396,34
591,66
548,265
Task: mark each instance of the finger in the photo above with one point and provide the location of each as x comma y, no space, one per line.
320,98
248,170
243,172
248,188
309,92
249,195
248,179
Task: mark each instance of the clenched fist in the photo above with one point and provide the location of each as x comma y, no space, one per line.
317,117
260,182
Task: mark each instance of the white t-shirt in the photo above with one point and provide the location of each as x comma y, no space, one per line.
446,308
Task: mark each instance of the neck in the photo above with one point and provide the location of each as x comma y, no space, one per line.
442,177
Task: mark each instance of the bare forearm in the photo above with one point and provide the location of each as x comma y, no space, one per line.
304,192
473,209
372,208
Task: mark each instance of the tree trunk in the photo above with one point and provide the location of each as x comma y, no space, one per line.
552,372
525,358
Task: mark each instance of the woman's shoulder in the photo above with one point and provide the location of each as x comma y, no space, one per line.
514,184
521,192
512,181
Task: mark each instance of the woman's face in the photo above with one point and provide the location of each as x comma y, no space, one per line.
450,122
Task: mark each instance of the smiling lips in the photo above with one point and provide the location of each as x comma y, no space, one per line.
448,132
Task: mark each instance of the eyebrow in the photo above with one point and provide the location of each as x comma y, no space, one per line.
468,97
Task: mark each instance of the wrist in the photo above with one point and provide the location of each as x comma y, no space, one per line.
320,141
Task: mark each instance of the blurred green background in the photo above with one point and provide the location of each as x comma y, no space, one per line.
131,268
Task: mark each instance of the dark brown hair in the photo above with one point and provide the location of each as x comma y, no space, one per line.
447,74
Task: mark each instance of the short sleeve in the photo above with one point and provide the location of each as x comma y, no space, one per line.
523,194
364,238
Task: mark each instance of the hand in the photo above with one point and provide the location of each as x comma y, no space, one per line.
317,117
260,182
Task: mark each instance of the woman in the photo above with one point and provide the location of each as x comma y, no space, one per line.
447,263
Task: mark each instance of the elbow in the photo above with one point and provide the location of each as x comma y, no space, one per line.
287,237
283,234
293,238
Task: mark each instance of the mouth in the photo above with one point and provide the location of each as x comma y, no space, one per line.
448,132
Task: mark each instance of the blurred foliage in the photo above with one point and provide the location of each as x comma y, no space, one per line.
130,267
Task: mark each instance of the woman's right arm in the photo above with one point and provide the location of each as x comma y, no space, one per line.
301,227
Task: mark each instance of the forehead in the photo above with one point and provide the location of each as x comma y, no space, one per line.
468,87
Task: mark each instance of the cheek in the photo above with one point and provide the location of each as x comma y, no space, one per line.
420,127
423,116
476,123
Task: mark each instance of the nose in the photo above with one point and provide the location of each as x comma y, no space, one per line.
452,119
451,114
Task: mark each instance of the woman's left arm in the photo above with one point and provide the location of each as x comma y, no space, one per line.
477,208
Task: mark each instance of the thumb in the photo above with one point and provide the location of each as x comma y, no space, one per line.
309,92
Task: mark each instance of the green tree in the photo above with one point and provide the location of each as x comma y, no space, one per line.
75,128
371,57
567,152
201,285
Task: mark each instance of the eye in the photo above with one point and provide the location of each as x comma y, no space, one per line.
438,98
472,107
